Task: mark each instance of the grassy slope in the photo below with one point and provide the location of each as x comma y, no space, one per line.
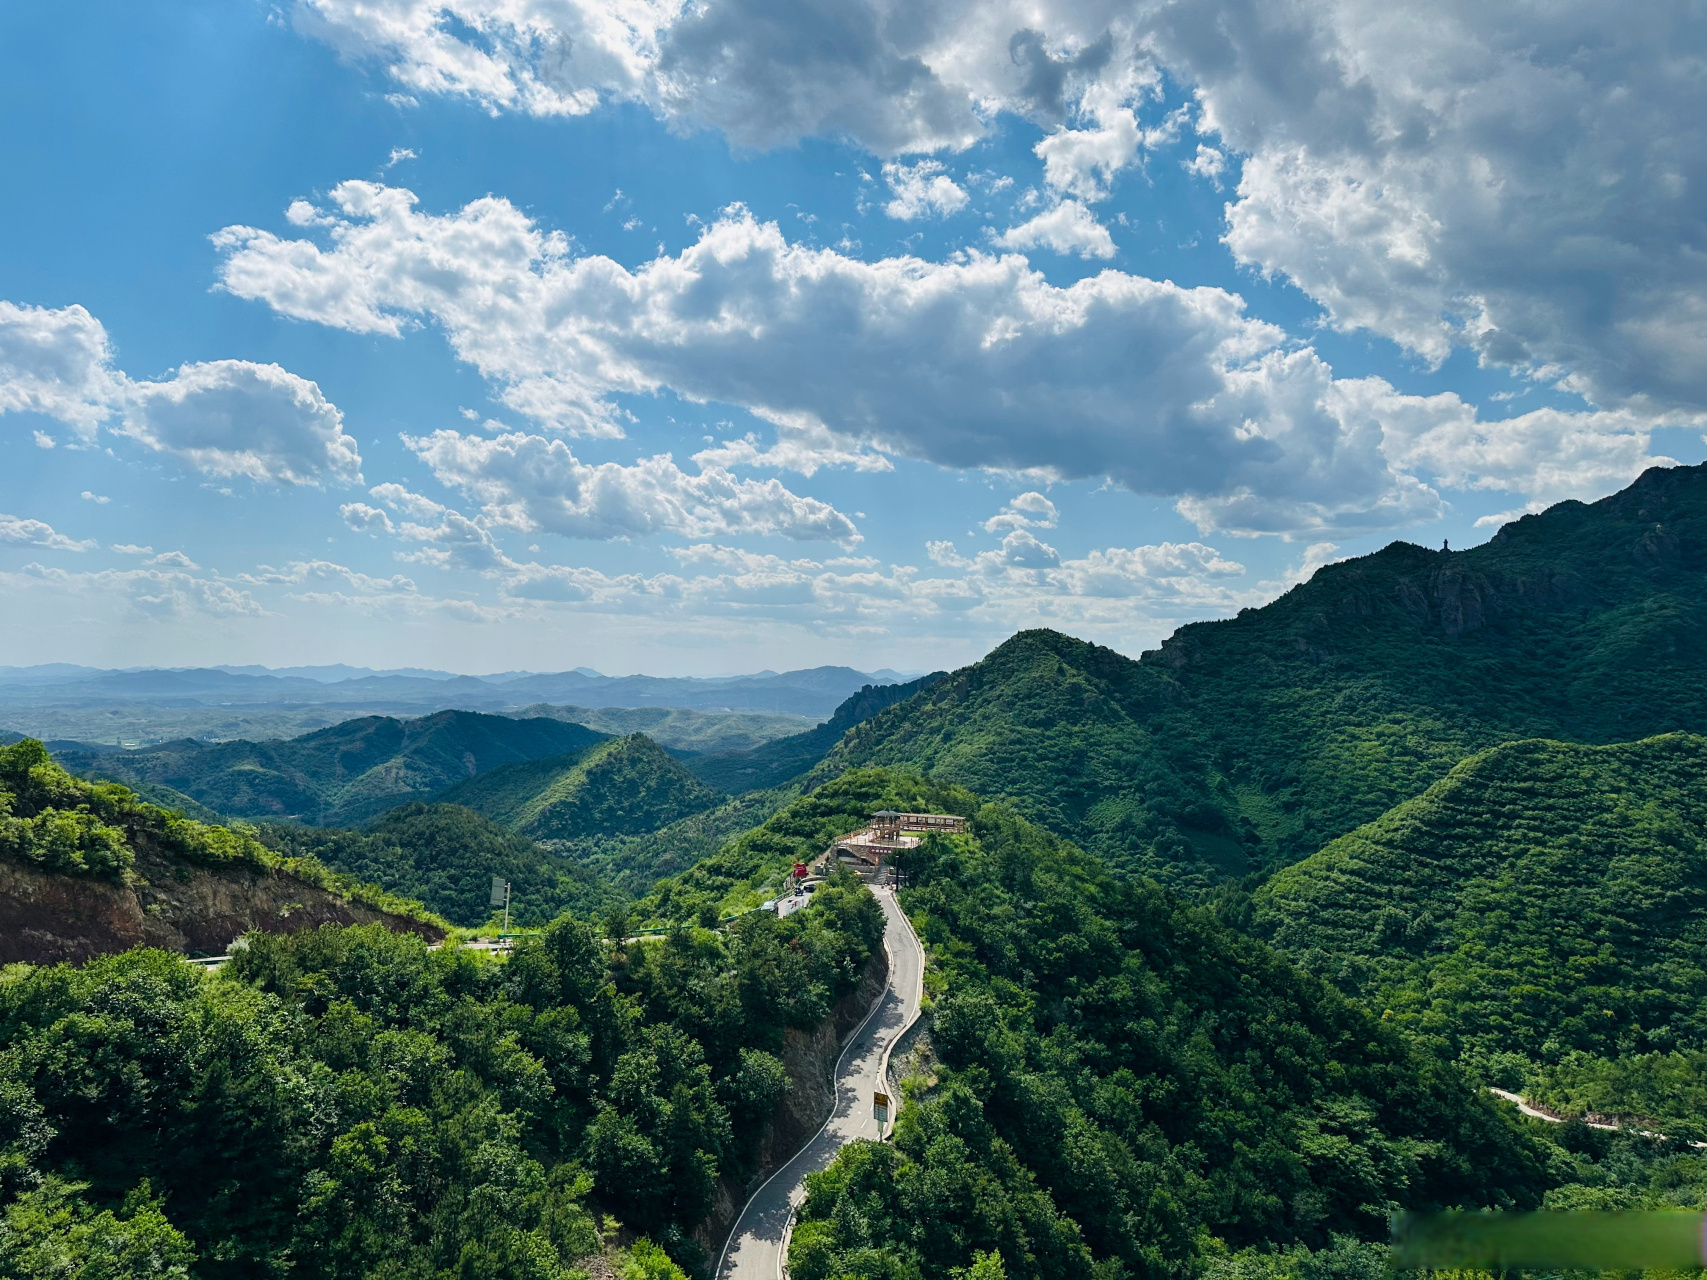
1249,743
345,774
623,787
1544,897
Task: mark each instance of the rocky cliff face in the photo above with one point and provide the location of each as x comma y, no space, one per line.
809,1057
47,917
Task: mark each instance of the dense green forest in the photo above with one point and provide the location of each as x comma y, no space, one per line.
626,786
343,775
1541,899
1243,745
345,1102
633,864
445,856
1122,1077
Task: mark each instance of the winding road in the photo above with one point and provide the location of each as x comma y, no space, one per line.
758,1243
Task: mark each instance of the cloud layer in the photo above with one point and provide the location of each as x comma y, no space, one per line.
224,418
1521,180
978,362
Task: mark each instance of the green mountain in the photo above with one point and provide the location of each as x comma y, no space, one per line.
445,856
1249,743
1116,1077
619,787
1543,898
634,863
90,868
341,775
774,763
749,868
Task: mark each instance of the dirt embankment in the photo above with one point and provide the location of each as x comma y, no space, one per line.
46,917
809,1057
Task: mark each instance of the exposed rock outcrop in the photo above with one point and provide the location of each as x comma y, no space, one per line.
47,917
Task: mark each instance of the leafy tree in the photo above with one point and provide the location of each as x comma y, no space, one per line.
51,1232
348,1102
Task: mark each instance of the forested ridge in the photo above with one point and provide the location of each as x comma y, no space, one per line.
1242,745
626,786
446,855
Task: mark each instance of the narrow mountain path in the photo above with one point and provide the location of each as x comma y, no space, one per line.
758,1243
1548,1116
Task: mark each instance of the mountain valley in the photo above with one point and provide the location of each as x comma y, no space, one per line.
1236,942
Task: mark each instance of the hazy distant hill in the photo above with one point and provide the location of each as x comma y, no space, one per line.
1541,898
621,787
812,692
342,775
774,763
143,707
677,729
1252,742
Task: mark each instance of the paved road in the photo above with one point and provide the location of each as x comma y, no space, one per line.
755,1248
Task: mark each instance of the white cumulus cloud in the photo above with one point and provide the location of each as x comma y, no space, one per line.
57,363
1027,511
1067,228
530,483
18,531
236,418
978,362
1521,180
922,190
223,418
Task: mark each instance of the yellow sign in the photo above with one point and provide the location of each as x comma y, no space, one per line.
880,1107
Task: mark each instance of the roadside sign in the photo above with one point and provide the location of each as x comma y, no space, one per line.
880,1107
500,891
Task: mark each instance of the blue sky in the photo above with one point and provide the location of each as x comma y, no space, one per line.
389,333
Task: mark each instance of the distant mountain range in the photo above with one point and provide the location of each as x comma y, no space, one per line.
146,705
